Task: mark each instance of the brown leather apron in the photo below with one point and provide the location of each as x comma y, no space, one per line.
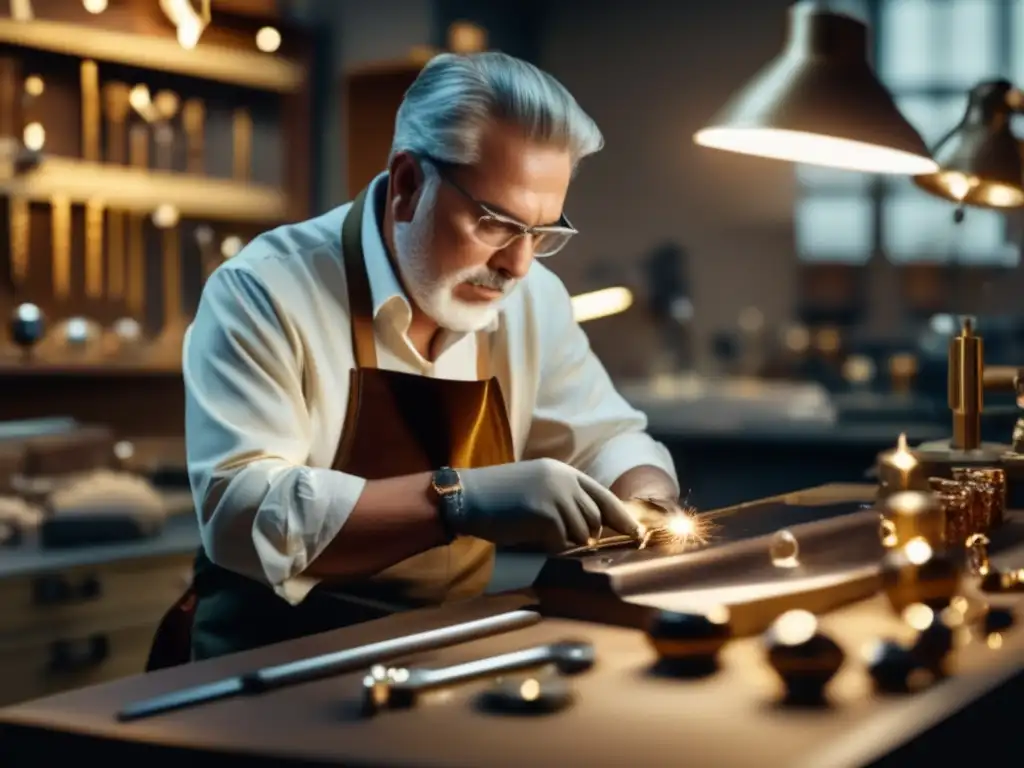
395,424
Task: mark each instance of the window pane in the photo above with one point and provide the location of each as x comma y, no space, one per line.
921,228
834,228
933,117
907,47
1017,32
970,42
821,177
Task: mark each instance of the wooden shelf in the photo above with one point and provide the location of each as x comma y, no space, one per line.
251,69
141,191
10,367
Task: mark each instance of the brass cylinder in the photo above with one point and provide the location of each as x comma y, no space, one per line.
915,514
966,393
1002,378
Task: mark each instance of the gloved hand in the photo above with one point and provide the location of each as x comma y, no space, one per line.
541,502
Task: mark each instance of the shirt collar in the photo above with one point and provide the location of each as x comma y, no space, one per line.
385,288
389,300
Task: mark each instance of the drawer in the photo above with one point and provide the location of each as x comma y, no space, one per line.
127,592
73,661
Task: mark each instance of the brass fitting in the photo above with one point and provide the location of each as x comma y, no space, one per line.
966,391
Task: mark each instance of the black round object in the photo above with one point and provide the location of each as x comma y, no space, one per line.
804,658
530,696
890,665
688,644
996,620
676,635
573,657
27,326
934,643
993,581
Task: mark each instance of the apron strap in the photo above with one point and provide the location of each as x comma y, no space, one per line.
483,355
360,300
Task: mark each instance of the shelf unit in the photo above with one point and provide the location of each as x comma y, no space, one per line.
250,69
141,191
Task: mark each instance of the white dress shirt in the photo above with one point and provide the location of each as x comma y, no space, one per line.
266,366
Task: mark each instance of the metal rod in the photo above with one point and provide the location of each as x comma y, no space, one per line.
966,390
329,664
492,665
384,688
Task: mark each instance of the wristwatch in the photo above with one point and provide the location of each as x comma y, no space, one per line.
447,487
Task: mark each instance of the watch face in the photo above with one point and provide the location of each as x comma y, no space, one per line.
447,480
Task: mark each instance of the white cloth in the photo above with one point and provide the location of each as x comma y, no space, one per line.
266,368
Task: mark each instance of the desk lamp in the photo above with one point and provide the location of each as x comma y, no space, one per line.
819,102
980,159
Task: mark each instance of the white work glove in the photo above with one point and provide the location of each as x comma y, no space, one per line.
542,503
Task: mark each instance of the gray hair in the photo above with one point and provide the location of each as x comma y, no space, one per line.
456,95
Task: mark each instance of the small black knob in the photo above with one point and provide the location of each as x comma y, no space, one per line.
803,657
890,665
573,657
27,326
526,696
688,643
996,620
934,640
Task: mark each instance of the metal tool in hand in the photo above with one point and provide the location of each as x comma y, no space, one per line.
394,688
661,522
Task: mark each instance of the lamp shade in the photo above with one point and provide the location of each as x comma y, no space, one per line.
980,160
820,103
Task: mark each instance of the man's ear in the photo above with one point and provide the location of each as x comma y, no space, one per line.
406,182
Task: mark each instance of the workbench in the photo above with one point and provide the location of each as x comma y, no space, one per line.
624,714
83,615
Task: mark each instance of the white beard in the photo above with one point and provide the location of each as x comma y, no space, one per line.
433,292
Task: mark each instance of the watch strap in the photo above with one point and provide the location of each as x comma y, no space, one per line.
447,487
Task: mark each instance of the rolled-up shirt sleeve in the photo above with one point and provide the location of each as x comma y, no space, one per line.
579,416
262,512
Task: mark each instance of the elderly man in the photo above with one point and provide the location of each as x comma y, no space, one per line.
379,396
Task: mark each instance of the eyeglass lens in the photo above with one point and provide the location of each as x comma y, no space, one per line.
499,234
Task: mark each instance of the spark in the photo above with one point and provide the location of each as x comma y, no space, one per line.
681,530
676,531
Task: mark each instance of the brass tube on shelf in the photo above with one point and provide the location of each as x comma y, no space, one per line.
10,92
241,131
171,240
966,393
193,117
90,77
20,224
115,254
138,157
94,249
117,106
61,246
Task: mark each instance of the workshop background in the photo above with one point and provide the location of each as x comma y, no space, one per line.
779,325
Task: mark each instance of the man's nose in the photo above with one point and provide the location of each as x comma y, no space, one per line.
515,258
